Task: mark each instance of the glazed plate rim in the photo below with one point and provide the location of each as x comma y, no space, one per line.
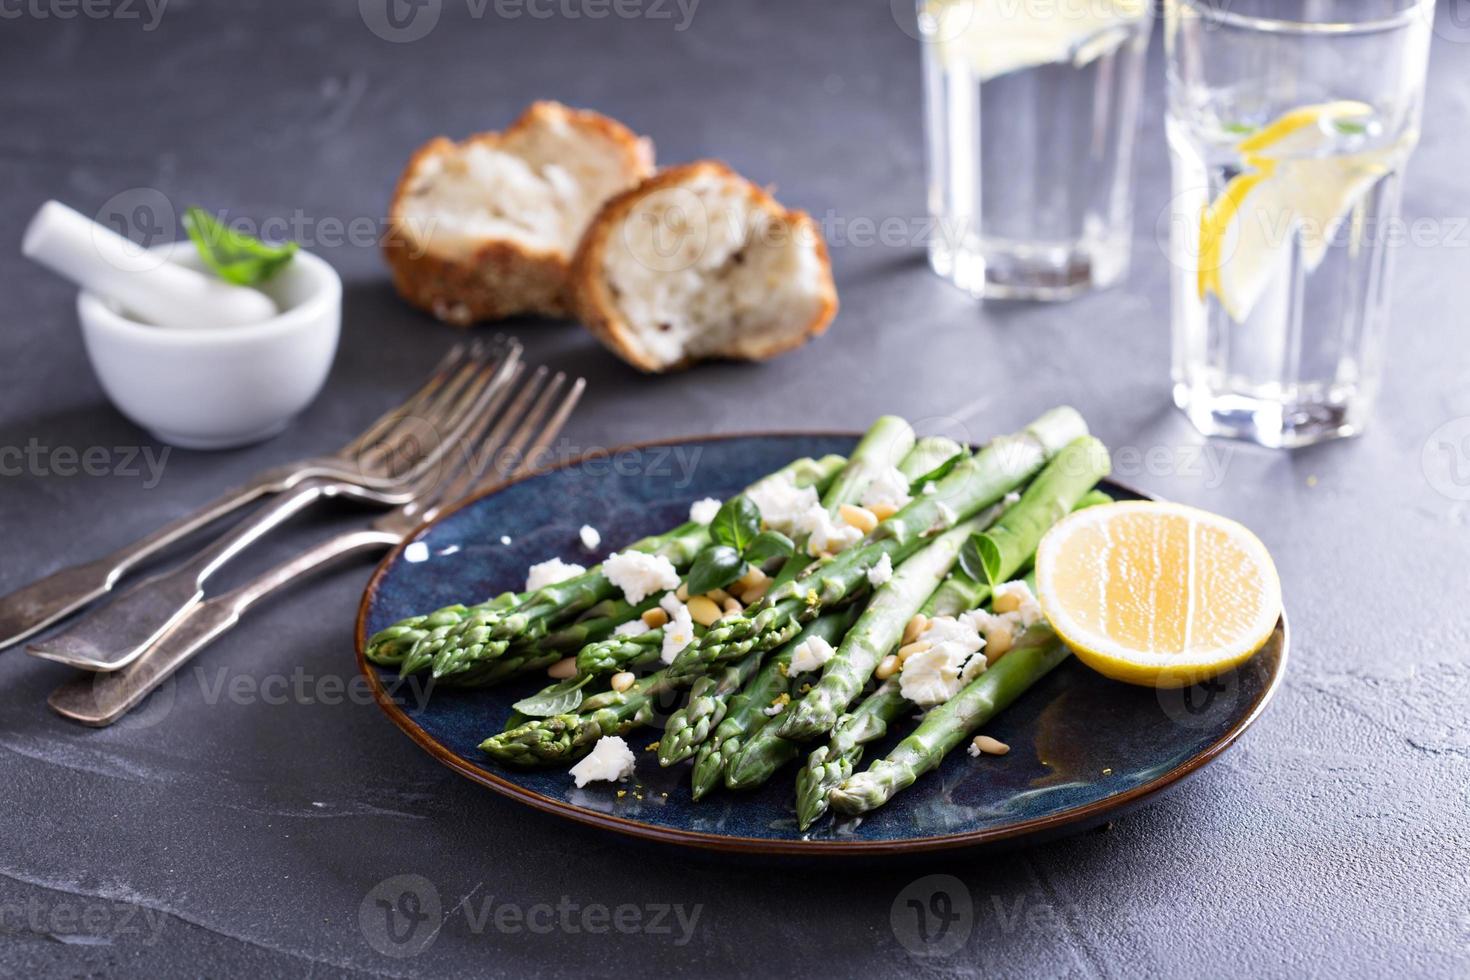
1078,817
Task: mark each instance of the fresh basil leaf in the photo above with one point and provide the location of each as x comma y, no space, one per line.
980,559
767,545
937,473
235,257
558,699
714,568
738,521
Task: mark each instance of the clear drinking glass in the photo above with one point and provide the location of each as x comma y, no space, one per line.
1289,122
1030,112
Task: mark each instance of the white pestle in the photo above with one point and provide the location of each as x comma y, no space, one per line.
147,285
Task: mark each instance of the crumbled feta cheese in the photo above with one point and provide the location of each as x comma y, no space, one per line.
633,627
591,537
550,572
880,573
704,511
782,503
640,575
1015,597
671,604
935,675
777,706
610,760
889,488
1010,498
810,654
974,749
826,536
678,632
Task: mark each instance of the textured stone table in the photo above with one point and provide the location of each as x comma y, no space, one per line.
238,824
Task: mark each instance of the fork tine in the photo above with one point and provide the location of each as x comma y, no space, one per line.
402,428
447,418
474,403
388,419
553,427
514,455
484,456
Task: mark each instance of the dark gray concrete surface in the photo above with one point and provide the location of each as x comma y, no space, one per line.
239,834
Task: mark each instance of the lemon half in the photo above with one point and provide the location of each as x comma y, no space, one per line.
1157,594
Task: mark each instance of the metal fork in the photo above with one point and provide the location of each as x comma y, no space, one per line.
112,637
101,699
368,461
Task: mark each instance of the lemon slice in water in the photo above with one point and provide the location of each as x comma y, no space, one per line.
995,38
1288,193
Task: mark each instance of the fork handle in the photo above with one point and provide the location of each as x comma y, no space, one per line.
101,699
115,635
32,608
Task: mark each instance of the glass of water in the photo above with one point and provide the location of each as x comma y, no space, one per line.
1030,113
1289,123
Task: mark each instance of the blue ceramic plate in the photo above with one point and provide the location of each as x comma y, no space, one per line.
1083,748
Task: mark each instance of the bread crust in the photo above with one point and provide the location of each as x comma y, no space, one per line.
499,278
591,298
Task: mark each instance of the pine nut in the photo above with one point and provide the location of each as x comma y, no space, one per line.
562,669
622,680
916,626
718,596
732,607
905,652
859,517
883,511
990,746
1005,602
682,592
654,618
998,640
887,668
703,610
756,592
751,579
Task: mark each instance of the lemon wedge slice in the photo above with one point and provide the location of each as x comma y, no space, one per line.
1157,594
1288,193
995,39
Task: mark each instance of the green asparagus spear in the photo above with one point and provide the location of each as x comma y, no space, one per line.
691,725
709,697
746,716
831,764
928,455
1009,545
947,726
545,741
487,634
876,632
561,738
757,760
975,483
390,645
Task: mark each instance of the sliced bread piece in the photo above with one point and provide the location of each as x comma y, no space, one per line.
697,263
486,228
